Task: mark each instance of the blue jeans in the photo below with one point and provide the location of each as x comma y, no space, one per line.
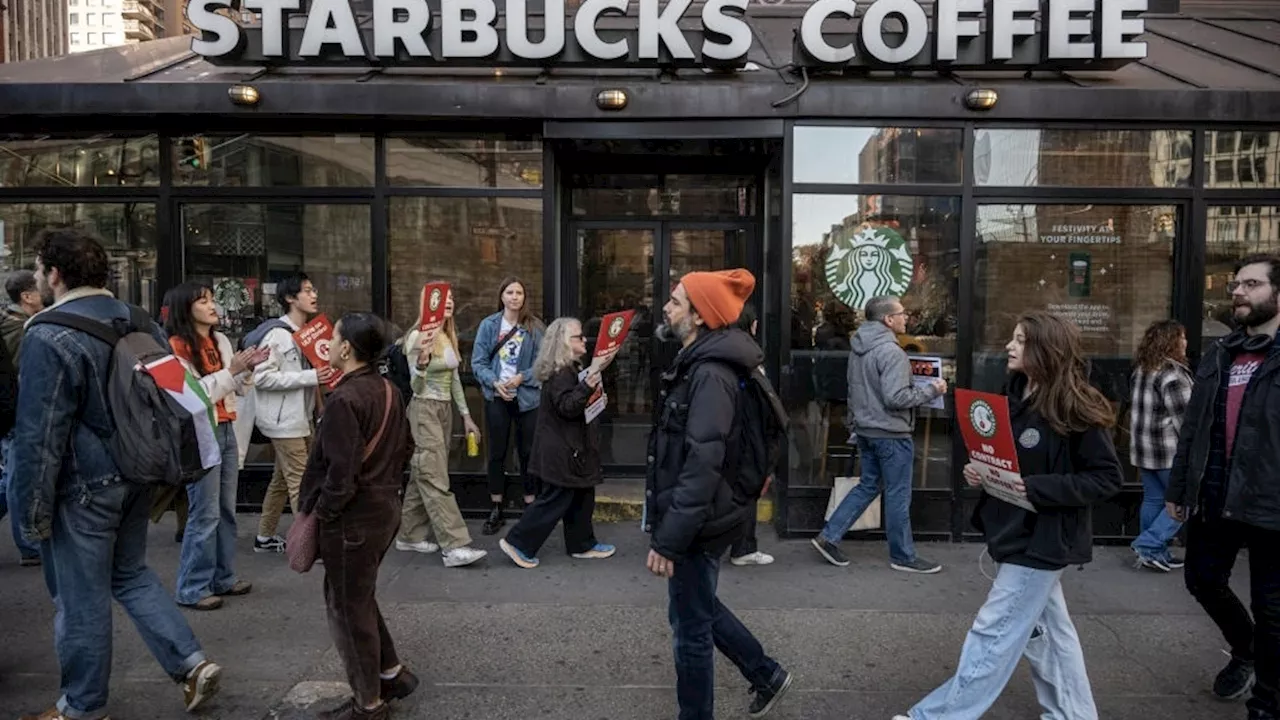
25,549
1157,527
98,550
1025,614
207,566
886,460
700,625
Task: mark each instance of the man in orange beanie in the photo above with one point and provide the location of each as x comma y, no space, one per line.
690,508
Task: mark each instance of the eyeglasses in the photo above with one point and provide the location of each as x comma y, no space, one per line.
1248,285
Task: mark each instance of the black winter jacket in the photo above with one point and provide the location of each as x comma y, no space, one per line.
1063,476
1252,491
566,448
689,506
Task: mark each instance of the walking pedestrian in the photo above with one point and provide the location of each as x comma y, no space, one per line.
1223,485
565,460
352,485
430,507
689,507
25,300
206,571
1161,390
1061,425
882,414
746,549
502,360
92,523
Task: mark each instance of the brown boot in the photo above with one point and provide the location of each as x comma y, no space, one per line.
241,587
212,602
399,687
349,711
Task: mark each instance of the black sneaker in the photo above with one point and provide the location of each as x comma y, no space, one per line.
1256,714
495,521
1235,680
1174,562
918,566
767,697
830,552
273,544
399,687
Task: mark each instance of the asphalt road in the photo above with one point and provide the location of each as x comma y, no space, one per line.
588,639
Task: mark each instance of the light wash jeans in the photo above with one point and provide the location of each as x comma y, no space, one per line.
887,460
98,550
26,548
1157,527
207,565
1025,614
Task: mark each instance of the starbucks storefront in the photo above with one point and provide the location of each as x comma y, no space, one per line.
1114,186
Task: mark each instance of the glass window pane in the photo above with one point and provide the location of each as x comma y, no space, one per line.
127,231
847,249
1243,159
1076,158
274,160
877,155
1108,268
1233,233
464,162
102,161
472,243
686,195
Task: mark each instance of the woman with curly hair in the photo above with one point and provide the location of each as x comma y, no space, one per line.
1161,391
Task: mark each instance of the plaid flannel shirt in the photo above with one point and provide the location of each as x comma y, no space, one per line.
1159,401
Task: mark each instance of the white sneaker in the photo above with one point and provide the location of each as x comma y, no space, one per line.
426,546
459,557
901,717
755,558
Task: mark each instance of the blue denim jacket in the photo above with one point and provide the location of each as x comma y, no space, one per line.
63,417
529,394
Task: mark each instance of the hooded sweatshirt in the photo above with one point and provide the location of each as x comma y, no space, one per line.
882,396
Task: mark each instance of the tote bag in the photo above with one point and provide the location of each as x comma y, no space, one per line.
870,519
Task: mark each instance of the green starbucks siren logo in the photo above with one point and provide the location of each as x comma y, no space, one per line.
873,262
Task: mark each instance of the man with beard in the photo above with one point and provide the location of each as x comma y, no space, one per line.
1224,486
689,504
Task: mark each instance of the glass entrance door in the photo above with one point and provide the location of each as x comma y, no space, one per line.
628,265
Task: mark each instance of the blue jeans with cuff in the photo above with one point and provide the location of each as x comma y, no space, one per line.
887,461
1158,528
207,565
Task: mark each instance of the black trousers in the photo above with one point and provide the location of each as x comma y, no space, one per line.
573,505
746,544
499,417
1212,548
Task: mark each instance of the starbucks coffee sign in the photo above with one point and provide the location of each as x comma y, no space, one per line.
873,34
872,263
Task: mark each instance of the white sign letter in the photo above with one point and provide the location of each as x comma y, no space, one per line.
811,30
412,31
914,22
225,31
660,25
274,27
453,27
584,29
518,30
1064,22
1008,19
724,18
1118,31
955,20
344,31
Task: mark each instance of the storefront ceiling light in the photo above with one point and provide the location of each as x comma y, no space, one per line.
244,94
611,99
981,99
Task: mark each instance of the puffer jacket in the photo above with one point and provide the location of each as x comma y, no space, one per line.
688,505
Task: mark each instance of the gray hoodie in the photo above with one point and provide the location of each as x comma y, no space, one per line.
882,397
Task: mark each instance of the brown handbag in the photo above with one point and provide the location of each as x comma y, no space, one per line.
303,543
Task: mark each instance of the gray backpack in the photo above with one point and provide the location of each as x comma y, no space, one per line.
156,439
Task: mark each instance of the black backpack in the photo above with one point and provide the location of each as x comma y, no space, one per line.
759,431
156,440
394,366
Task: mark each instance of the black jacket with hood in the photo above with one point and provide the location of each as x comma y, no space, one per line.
689,506
1064,476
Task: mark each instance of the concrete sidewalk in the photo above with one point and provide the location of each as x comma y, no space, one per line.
588,640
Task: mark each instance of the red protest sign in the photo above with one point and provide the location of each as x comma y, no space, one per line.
988,437
613,331
313,340
434,297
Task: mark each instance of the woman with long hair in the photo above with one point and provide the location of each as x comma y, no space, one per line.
502,360
430,508
352,485
1062,433
206,570
1161,390
566,451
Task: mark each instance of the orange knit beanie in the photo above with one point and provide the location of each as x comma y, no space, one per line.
719,296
